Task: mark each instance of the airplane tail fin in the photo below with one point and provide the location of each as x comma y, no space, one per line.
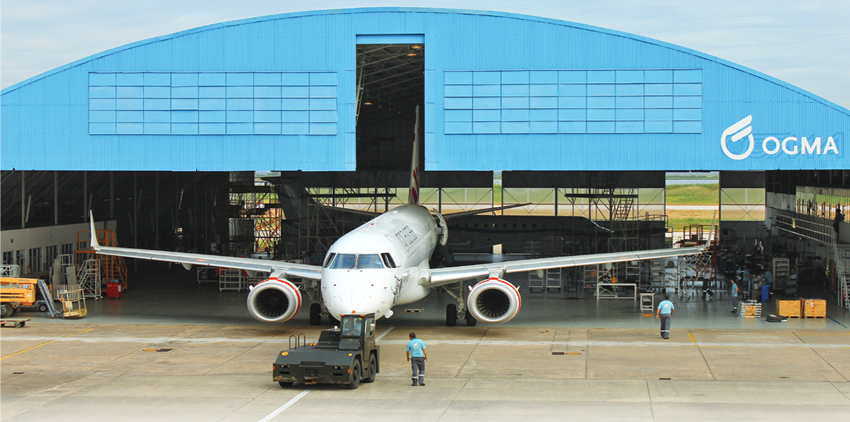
415,171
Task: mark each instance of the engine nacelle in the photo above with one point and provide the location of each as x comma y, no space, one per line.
493,301
274,300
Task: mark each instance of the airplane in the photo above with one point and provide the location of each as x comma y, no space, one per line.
384,263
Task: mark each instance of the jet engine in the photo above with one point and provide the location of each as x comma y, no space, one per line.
493,301
274,300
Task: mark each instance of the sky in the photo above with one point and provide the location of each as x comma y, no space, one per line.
804,43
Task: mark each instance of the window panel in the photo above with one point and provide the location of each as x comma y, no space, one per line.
129,92
157,128
184,128
601,127
267,128
515,90
184,79
212,128
458,90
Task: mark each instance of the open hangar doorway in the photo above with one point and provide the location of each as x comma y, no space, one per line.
390,85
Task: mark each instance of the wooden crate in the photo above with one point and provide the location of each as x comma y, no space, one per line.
814,308
789,308
751,311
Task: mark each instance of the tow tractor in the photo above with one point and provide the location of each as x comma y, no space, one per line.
344,355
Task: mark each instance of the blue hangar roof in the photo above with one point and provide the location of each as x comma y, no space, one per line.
501,92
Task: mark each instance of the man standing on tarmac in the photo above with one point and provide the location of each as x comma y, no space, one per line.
664,312
417,355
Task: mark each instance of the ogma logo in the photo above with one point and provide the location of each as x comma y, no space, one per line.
771,145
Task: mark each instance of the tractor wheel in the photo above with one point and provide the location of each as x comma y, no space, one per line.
356,373
373,369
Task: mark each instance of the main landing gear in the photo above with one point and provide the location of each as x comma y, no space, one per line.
459,311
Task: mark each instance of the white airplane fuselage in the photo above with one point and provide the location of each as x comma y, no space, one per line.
352,280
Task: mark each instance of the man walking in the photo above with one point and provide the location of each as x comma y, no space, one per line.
417,355
664,312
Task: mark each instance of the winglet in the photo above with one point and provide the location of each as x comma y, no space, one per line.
93,242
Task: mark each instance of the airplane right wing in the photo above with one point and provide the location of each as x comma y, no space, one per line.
494,300
447,275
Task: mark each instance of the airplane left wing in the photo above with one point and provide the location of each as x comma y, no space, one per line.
448,275
312,272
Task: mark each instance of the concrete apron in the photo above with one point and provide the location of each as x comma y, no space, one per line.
213,372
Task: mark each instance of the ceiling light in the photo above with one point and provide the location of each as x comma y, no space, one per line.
411,54
416,46
367,103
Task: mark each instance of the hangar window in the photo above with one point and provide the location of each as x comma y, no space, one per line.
213,103
573,101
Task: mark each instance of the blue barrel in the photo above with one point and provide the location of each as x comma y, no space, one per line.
765,292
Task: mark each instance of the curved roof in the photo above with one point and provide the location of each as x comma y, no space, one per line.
494,97
436,11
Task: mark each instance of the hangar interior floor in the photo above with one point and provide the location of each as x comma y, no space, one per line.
172,349
173,296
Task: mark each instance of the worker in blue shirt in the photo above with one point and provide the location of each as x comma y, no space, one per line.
664,312
417,354
748,281
734,294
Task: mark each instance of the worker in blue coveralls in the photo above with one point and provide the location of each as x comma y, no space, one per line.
417,354
664,312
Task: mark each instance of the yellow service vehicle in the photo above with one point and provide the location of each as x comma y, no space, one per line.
20,292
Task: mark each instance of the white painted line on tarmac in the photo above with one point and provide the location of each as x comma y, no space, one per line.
285,406
384,333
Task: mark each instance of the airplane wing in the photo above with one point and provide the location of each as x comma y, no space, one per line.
448,275
313,272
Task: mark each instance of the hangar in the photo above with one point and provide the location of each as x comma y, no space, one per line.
162,138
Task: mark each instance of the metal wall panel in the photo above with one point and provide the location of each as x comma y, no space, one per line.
56,121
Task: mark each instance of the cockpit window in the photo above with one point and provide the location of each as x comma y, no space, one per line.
388,260
329,260
369,261
343,261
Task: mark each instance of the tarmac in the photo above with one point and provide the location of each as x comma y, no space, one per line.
179,350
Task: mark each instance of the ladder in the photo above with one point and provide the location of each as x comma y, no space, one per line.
693,268
48,299
89,278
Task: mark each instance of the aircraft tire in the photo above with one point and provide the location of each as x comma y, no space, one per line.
470,320
315,314
373,367
285,384
451,315
355,375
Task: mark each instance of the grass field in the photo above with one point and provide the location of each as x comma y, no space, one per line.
702,194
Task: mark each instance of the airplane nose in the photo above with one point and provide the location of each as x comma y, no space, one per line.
357,292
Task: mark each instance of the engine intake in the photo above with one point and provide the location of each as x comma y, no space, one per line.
274,300
493,301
